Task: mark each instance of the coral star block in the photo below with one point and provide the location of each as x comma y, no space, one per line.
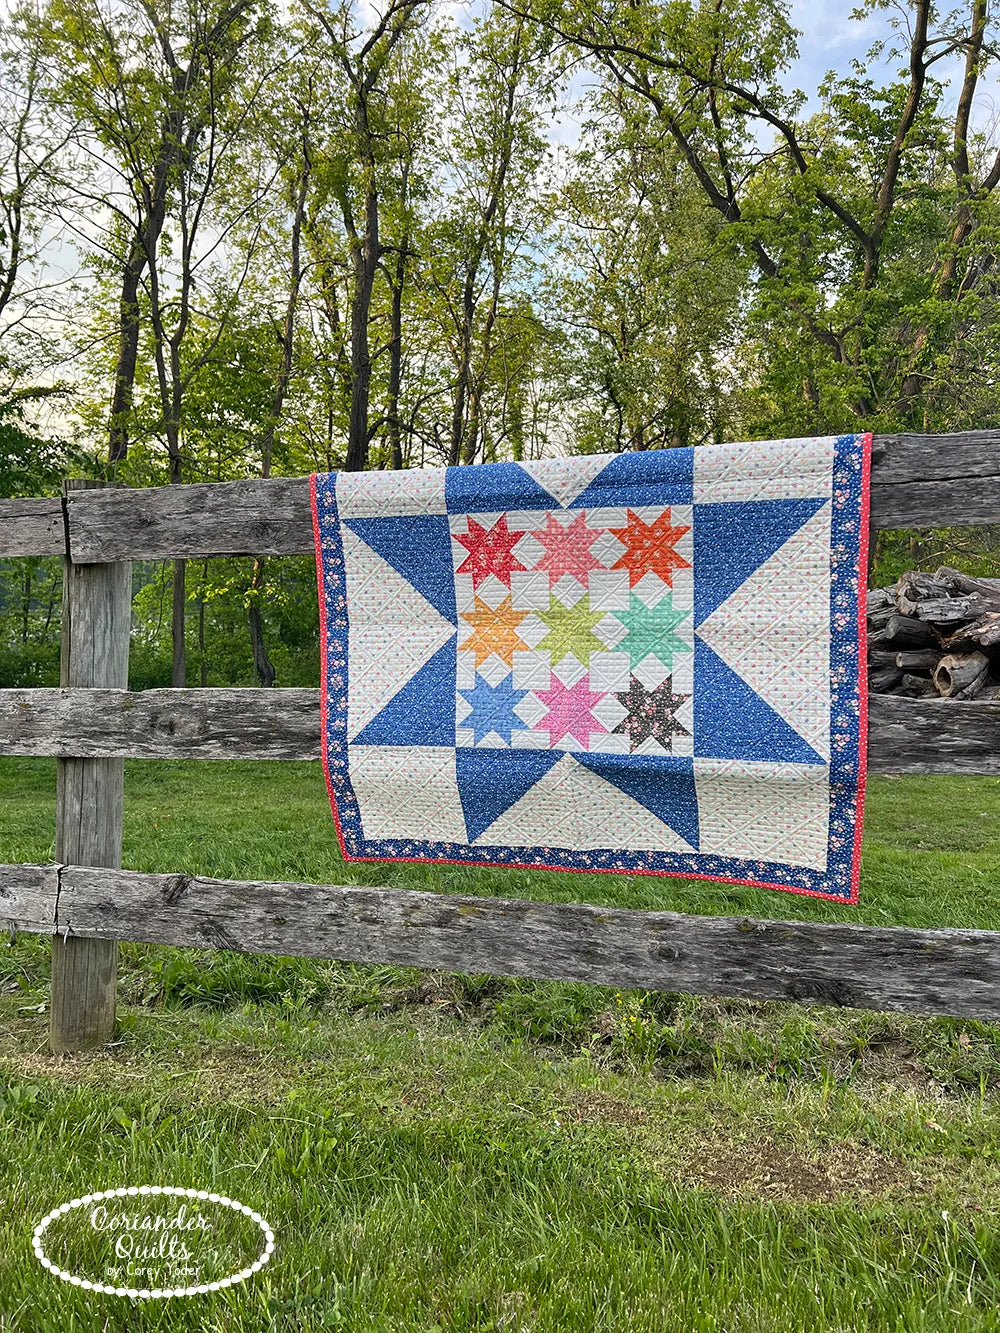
567,549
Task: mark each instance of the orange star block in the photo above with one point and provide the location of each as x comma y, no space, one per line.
490,552
650,548
494,631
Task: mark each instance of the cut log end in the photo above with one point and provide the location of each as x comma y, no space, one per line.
935,634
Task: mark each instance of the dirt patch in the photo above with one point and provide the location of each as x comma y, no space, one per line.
767,1170
601,1108
232,1075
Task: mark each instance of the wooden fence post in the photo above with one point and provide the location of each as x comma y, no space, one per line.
96,618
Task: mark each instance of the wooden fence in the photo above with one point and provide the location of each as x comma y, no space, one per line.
92,723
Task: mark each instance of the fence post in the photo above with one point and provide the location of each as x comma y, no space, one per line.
96,617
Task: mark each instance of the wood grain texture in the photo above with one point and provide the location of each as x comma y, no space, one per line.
908,458
32,527
161,724
957,502
97,609
915,971
28,898
916,480
264,517
905,735
933,736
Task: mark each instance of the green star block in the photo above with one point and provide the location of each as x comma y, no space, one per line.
571,630
651,630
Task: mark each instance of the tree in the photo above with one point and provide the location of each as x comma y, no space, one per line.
499,89
651,300
356,166
870,226
31,149
156,94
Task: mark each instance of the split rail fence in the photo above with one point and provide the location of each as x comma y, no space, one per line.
93,723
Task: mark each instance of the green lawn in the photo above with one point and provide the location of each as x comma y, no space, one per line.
441,1152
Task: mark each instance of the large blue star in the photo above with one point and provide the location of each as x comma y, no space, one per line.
493,708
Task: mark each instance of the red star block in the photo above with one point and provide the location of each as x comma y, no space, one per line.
490,552
650,546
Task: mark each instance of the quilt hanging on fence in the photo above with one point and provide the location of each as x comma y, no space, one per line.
642,663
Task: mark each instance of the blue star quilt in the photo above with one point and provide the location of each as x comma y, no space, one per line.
646,663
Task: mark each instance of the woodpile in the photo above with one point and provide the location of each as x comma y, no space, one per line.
933,635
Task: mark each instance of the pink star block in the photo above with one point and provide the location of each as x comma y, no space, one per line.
569,711
567,550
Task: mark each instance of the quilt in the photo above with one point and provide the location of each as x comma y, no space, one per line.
645,663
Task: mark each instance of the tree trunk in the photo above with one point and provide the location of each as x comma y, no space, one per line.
396,360
128,352
202,652
461,390
178,674
26,602
262,665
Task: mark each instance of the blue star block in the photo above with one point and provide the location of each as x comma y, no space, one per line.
493,708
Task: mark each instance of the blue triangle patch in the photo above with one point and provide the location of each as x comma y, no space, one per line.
734,539
419,548
731,721
664,784
660,477
491,781
423,711
489,488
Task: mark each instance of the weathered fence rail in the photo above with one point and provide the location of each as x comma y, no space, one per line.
926,971
917,480
904,735
94,723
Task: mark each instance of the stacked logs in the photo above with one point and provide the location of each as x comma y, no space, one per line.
935,635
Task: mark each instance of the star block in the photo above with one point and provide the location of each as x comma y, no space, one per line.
650,548
571,630
569,711
651,629
651,714
493,709
491,551
567,549
494,630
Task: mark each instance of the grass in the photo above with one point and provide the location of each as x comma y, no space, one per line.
442,1152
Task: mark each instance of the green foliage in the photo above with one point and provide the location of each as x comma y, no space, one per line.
708,261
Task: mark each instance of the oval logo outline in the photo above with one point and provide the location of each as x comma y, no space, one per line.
156,1293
